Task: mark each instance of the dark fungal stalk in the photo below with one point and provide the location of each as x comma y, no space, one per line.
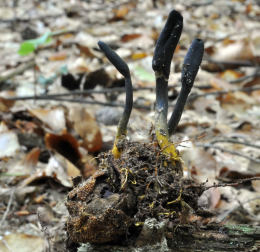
163,54
190,69
122,67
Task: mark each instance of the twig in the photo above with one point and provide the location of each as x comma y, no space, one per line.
229,151
7,208
25,20
235,142
255,74
238,182
54,97
238,63
193,96
17,71
102,91
240,204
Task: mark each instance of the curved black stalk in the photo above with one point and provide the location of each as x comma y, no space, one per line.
163,54
122,67
190,69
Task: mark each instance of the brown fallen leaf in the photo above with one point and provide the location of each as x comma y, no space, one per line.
85,51
232,175
137,56
230,75
21,242
65,144
86,126
128,37
22,213
58,56
5,105
58,168
32,157
53,118
40,198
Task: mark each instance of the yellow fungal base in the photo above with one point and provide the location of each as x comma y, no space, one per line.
115,151
120,136
167,147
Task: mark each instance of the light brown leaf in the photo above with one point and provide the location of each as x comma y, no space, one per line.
86,126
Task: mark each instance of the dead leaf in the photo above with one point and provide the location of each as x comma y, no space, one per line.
58,56
233,176
53,118
21,242
58,168
120,13
86,126
22,213
40,198
65,144
127,37
86,51
9,144
32,157
79,66
239,50
230,75
137,56
5,104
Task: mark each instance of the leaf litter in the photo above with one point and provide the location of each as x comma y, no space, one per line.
32,165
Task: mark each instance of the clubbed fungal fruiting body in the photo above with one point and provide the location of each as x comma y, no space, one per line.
122,67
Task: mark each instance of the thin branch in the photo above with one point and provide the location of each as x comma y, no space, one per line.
17,71
75,100
237,63
94,91
222,217
235,142
193,96
25,20
7,208
228,151
244,78
54,97
238,182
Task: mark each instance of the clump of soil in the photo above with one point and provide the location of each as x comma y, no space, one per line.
113,204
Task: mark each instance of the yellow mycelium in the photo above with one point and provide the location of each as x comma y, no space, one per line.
167,147
115,151
121,134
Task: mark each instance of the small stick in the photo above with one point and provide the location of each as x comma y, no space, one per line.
192,97
233,141
189,71
256,160
7,208
17,71
122,67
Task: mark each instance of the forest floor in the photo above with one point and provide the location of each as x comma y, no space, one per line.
58,108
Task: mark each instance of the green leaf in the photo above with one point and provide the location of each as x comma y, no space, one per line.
26,48
30,46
